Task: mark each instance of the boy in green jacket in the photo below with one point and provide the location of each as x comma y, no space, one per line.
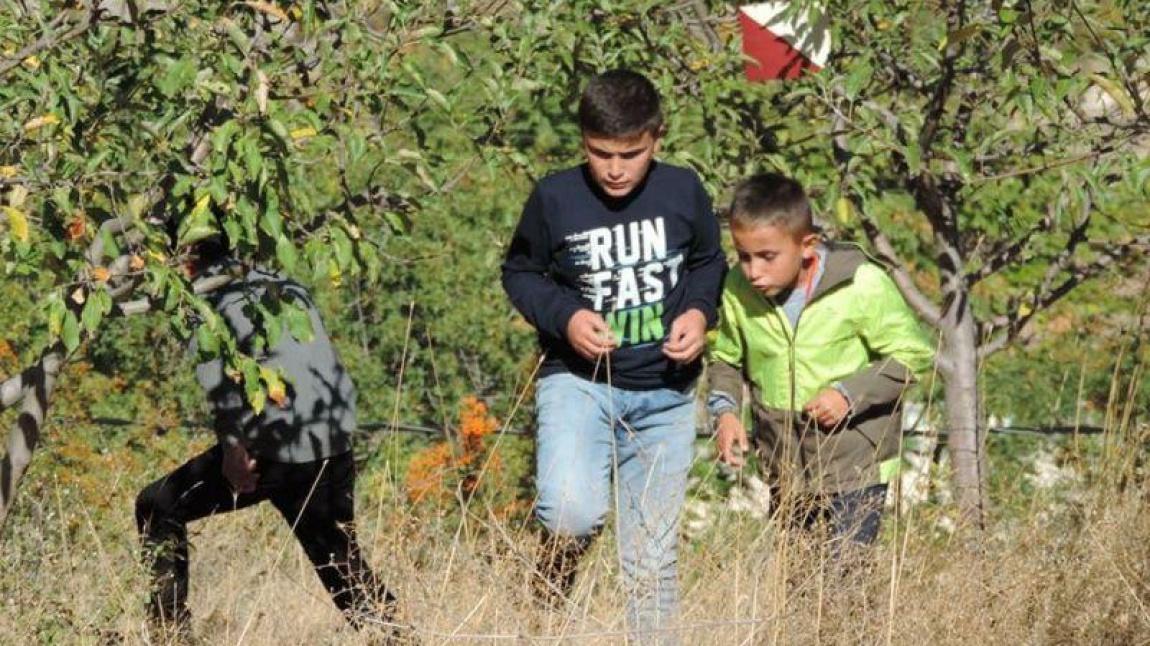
828,347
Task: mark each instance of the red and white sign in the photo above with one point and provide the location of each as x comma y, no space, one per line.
782,46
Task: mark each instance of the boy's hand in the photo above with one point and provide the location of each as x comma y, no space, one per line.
688,337
829,408
240,468
590,335
731,439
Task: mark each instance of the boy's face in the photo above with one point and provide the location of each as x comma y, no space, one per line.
771,257
619,164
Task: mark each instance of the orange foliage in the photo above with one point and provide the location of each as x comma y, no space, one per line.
8,358
76,227
435,473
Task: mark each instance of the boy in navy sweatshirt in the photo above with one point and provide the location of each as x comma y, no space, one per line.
617,264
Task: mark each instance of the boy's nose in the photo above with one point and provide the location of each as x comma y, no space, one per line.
615,169
757,270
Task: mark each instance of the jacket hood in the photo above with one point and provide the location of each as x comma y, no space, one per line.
842,261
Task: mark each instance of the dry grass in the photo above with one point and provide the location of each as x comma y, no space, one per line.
1050,573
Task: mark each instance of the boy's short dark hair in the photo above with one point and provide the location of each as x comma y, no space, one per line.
774,200
619,103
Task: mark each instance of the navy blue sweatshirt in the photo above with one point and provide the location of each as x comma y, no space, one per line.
640,261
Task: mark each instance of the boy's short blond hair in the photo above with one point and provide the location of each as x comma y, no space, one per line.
771,199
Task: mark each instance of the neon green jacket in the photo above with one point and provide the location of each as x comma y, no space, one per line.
856,331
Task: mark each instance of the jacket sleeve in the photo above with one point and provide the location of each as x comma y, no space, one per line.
706,265
544,303
894,337
725,354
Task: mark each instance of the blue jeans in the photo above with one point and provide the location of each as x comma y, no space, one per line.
589,432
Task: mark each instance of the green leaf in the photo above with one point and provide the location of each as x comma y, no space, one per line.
913,158
207,343
859,77
396,221
96,307
272,222
298,322
178,76
344,253
253,389
222,136
70,331
199,223
286,254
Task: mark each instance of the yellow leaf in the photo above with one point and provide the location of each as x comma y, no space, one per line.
157,256
101,274
32,63
9,171
334,274
1116,92
277,390
303,133
40,122
843,210
17,223
201,206
268,8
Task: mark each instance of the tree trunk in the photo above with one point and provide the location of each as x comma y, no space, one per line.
965,432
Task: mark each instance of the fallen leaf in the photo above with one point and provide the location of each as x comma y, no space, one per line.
40,122
136,263
101,274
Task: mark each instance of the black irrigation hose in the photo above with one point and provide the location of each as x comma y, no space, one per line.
402,427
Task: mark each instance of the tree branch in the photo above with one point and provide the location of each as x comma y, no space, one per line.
919,301
955,20
1010,326
1008,254
701,27
921,304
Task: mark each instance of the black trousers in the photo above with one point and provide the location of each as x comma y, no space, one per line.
853,516
316,500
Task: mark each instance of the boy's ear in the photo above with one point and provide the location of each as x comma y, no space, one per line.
810,243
